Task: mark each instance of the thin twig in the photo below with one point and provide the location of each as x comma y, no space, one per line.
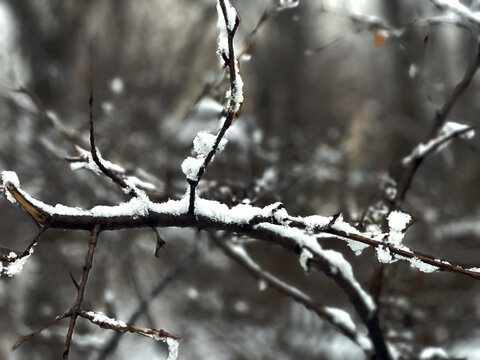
438,121
132,191
233,109
26,338
5,257
120,327
62,130
109,347
81,291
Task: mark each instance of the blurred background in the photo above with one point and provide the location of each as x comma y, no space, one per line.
336,94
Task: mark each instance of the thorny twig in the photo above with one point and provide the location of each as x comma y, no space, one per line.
73,140
75,310
131,190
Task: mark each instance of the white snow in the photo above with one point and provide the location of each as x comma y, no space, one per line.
246,57
100,318
384,255
335,316
267,277
172,348
136,207
241,306
191,166
446,133
341,317
420,265
12,178
192,293
223,34
467,347
413,71
208,107
231,16
90,164
13,268
203,144
338,264
235,94
117,85
340,225
135,182
458,8
262,285
287,4
364,342
305,256
205,141
461,227
433,353
107,107
243,214
397,222
315,221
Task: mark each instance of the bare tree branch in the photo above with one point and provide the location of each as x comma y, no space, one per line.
438,121
145,302
131,190
26,338
75,310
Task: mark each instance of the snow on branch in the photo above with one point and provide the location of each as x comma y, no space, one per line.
194,168
287,4
271,223
447,132
456,7
106,322
442,132
84,158
336,317
106,168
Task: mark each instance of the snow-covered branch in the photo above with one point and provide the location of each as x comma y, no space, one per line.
336,317
457,8
271,223
448,131
442,132
106,322
194,168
